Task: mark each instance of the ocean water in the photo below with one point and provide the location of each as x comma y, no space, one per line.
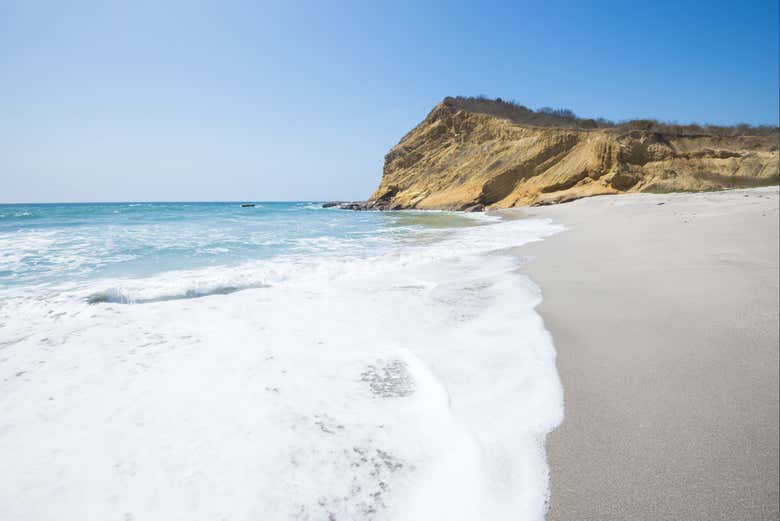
164,361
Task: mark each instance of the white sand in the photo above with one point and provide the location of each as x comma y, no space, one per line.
664,312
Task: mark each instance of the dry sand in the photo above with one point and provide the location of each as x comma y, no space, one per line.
664,311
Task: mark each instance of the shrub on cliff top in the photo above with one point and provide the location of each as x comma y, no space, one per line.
565,118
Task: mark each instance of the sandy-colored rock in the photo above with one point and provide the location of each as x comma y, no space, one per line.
460,157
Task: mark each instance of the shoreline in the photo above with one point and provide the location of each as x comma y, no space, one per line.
664,315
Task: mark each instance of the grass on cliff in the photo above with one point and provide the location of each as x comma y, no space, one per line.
565,118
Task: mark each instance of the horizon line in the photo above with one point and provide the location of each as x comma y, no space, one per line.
236,201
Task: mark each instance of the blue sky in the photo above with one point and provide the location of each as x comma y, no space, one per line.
110,101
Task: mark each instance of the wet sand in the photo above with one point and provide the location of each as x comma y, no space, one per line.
664,312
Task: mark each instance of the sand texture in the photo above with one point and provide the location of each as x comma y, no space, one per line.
664,312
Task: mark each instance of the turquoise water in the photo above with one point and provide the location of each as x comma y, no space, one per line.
286,362
50,243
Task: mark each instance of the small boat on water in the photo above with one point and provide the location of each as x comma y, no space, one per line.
247,205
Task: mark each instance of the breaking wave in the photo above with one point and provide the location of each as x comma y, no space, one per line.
386,380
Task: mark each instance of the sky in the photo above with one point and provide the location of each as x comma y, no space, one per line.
229,100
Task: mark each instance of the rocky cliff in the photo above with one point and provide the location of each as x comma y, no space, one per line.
474,153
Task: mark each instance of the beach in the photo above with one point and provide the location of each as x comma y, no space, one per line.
664,314
311,363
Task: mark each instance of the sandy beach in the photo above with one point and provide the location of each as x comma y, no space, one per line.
664,313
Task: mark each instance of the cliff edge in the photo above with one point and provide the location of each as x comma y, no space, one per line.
475,153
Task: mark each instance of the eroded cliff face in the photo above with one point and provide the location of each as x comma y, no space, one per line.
461,159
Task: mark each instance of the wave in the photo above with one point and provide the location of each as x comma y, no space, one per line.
416,384
118,296
17,215
337,261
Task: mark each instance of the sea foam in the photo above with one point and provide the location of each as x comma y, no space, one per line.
416,384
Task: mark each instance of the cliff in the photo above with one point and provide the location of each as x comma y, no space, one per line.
468,154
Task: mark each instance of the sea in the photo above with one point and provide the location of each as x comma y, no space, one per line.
208,361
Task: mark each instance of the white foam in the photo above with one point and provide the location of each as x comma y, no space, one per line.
417,384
